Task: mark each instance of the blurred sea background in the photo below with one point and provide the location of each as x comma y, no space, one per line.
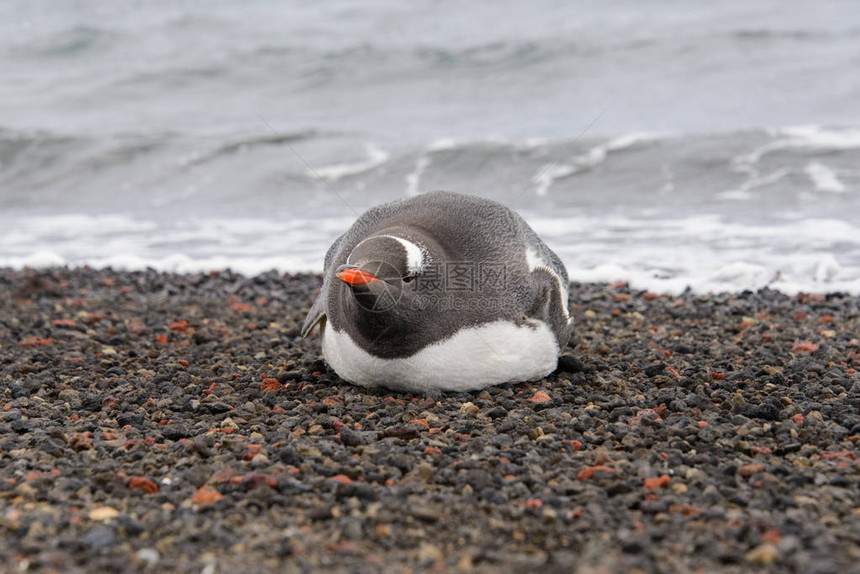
671,144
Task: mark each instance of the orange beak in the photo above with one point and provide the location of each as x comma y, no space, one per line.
353,276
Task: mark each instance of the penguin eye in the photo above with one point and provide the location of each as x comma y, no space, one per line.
408,279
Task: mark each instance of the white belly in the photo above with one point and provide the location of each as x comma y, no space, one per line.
473,358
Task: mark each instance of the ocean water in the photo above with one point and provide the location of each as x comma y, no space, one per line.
670,144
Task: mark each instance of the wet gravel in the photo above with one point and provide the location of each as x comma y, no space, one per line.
177,423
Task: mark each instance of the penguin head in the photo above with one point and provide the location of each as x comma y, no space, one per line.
385,257
375,282
382,264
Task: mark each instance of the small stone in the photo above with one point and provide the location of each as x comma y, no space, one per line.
466,562
663,481
654,370
424,471
206,495
26,490
175,432
103,513
18,391
143,483
763,554
148,555
424,513
101,538
271,385
602,456
815,416
751,469
350,438
470,408
229,424
679,488
429,552
588,473
806,347
405,432
320,513
129,525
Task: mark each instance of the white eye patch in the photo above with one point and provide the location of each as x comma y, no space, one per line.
414,254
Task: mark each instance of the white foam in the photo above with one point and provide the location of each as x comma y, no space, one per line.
743,192
598,154
248,246
708,253
669,185
443,144
824,178
334,172
827,269
633,138
532,143
823,138
704,252
413,178
805,137
734,195
549,174
35,260
744,275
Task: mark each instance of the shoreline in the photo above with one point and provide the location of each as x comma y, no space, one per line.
172,422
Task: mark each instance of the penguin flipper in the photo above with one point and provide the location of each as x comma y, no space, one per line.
550,304
316,313
318,309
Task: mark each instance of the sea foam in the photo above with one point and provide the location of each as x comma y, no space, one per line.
706,253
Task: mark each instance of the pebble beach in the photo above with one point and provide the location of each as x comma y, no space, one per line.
155,422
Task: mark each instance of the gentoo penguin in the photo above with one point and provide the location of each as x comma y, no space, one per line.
441,292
